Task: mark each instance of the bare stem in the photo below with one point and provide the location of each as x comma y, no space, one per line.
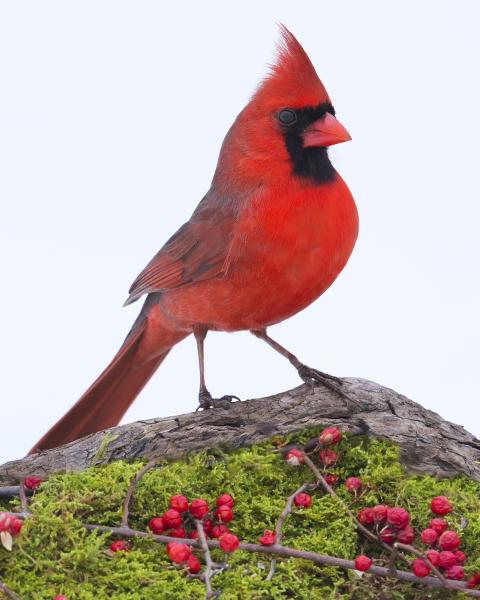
7,592
23,498
423,556
131,488
208,559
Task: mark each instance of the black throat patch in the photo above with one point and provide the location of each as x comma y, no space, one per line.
311,163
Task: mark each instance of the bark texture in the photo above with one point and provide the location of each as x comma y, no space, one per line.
428,443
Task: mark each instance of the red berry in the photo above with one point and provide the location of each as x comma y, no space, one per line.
302,500
420,568
207,526
460,557
329,436
366,516
178,503
353,485
447,559
380,512
398,517
198,508
32,483
455,572
193,565
228,542
15,526
363,563
268,538
119,546
387,535
327,457
294,457
449,540
219,530
5,520
156,525
178,552
429,536
224,500
59,597
331,478
224,514
440,505
179,532
473,581
438,524
171,519
406,535
433,556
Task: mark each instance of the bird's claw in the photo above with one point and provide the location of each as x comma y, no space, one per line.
206,401
312,376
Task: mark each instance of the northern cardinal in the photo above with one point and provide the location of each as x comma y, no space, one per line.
271,235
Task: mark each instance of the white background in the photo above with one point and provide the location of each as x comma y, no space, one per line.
111,117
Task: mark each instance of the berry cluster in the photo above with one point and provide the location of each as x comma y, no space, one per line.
10,527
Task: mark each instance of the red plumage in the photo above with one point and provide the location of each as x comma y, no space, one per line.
275,229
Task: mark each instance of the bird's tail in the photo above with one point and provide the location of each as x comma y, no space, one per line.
108,398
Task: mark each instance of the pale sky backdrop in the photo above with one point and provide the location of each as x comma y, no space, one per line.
111,118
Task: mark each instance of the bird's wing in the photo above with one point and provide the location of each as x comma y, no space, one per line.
197,251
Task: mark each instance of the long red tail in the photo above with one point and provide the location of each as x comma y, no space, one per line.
108,398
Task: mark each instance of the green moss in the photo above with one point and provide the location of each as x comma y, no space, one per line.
54,554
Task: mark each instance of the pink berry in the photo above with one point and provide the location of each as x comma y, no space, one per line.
119,546
156,525
329,436
380,511
171,519
193,565
447,559
268,538
420,568
440,505
32,483
398,517
366,516
455,572
198,508
178,503
363,563
429,536
302,500
331,478
178,552
294,457
449,540
387,535
224,514
353,485
460,557
405,535
438,524
219,530
59,597
228,542
224,500
327,457
433,556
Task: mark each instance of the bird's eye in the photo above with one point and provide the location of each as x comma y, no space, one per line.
287,117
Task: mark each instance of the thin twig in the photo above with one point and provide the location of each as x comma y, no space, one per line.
208,559
391,563
281,519
131,488
423,556
8,592
23,498
318,559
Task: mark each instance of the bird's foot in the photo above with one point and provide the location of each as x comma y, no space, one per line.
206,401
312,376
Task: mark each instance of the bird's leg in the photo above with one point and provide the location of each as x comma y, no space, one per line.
205,399
308,374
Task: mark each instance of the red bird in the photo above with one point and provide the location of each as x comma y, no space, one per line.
271,235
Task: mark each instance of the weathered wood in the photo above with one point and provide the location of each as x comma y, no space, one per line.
428,443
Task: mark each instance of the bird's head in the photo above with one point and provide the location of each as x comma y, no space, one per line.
286,127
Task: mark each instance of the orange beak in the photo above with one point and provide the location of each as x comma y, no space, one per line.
326,131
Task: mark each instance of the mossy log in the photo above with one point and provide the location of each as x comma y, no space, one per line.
428,444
